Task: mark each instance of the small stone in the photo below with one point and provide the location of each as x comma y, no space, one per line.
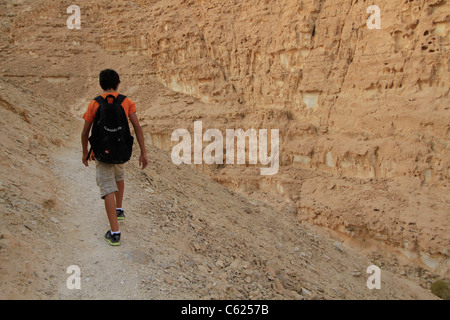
203,269
279,285
355,273
219,263
305,292
271,271
165,265
339,246
53,219
168,280
235,264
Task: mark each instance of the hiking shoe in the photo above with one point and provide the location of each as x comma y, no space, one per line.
120,214
113,240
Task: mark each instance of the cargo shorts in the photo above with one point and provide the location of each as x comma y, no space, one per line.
106,175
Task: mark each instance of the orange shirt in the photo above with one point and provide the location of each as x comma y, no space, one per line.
127,105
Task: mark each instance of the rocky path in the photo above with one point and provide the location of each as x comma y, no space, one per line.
106,272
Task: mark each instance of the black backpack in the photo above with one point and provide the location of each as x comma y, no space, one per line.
110,138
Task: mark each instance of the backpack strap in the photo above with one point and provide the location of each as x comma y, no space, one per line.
100,100
120,99
89,154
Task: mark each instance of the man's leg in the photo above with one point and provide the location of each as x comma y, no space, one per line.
108,188
119,174
119,194
110,206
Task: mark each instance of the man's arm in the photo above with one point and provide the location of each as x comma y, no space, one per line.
85,140
143,160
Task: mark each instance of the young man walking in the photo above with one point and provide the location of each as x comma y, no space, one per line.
109,176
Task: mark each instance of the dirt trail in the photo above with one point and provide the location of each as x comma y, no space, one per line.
106,272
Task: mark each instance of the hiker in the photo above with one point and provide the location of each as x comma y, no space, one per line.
111,124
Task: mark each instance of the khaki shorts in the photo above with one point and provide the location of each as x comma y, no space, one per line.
106,175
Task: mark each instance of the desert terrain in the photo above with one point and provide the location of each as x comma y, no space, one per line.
364,126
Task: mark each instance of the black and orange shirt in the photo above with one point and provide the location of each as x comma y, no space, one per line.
127,105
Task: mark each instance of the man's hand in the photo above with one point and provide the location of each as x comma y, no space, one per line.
85,159
91,158
143,161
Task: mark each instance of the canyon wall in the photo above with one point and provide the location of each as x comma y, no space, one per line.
384,92
364,109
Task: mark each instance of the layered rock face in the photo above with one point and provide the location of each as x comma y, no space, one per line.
362,113
382,91
349,101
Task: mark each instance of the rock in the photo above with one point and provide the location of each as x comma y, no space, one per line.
203,269
234,293
168,279
235,264
293,295
165,265
53,219
355,273
271,271
298,288
339,246
219,263
305,292
278,284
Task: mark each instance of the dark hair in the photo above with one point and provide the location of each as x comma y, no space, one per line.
109,79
